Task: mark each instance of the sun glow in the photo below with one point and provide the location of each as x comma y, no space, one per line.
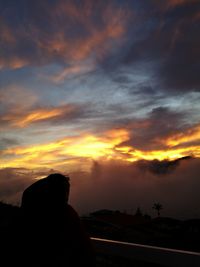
70,150
85,146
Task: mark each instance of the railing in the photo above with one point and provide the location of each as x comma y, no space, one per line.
157,255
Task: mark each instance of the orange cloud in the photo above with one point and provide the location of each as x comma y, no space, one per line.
79,31
8,38
97,38
14,63
6,33
23,118
98,42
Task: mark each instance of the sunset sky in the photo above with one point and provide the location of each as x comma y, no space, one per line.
107,91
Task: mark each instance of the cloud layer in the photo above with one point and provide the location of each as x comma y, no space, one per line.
120,186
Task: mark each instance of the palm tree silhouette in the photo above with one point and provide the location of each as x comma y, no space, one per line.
157,206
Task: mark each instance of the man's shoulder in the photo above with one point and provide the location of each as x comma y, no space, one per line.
71,211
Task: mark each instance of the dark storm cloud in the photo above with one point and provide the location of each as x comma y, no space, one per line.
181,68
148,133
160,167
172,45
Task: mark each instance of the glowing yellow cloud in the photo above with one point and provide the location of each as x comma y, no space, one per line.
86,146
68,151
191,135
169,154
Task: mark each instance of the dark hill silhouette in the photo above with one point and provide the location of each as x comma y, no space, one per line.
138,228
119,218
8,212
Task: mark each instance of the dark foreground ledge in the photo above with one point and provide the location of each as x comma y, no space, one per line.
148,254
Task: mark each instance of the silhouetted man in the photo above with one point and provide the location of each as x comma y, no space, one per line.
52,233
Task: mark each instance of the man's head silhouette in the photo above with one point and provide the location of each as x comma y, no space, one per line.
50,193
